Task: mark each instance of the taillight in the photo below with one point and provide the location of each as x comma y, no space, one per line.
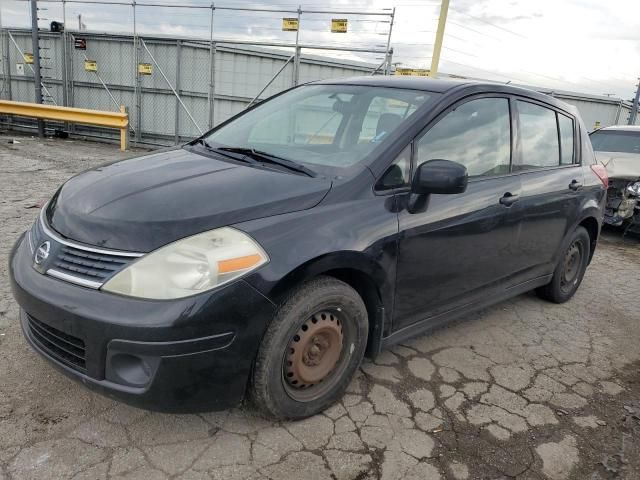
601,172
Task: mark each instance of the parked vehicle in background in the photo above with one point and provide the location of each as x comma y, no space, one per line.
618,149
337,218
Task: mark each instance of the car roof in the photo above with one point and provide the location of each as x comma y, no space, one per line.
428,84
622,128
444,85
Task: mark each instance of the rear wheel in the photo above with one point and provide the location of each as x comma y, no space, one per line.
311,350
570,269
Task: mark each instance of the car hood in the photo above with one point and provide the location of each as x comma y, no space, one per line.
623,166
143,203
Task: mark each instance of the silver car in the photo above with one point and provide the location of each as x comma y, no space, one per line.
618,149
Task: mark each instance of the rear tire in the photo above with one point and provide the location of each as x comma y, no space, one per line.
570,270
310,351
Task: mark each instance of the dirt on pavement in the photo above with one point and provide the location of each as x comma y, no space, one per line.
525,389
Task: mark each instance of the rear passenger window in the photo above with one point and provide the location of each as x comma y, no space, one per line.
565,124
476,134
539,135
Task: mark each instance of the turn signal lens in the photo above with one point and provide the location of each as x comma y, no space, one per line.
238,264
189,266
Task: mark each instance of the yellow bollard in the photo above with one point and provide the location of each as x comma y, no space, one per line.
124,131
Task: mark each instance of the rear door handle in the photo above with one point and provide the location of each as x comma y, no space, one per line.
509,199
575,185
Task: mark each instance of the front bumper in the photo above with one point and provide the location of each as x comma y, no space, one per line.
185,355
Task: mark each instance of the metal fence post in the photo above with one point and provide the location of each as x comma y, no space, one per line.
6,61
212,72
296,61
389,54
2,57
65,80
137,80
35,42
177,114
70,76
6,67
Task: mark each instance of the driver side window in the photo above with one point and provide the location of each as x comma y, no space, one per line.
476,134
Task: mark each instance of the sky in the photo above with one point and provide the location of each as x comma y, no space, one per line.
588,46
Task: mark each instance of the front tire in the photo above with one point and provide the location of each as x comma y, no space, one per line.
310,351
570,270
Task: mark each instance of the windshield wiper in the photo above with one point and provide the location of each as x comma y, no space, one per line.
242,157
265,157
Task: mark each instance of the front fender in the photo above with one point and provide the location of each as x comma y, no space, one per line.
359,235
334,261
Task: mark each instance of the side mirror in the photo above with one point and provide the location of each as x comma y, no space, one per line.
440,176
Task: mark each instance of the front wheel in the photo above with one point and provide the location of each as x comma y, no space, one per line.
570,269
311,350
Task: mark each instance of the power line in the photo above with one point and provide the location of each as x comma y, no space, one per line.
508,77
490,23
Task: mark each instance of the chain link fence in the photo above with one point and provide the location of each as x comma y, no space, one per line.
173,87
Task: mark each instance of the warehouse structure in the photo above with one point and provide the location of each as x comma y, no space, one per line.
176,88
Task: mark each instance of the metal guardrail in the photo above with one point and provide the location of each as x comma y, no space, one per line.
100,118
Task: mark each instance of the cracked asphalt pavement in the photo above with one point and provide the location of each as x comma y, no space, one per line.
525,389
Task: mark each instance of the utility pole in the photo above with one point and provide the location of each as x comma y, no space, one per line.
634,107
437,46
35,40
79,21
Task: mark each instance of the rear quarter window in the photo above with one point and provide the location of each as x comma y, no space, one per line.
567,136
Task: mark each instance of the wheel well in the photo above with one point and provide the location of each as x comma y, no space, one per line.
590,224
368,291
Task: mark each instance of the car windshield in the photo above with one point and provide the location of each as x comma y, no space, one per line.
321,125
616,141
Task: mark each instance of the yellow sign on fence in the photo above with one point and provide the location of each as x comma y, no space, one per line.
145,68
28,58
289,24
339,25
91,65
414,72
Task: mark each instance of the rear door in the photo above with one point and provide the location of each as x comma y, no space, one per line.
551,179
460,245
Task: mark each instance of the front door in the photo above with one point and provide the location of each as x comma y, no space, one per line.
460,246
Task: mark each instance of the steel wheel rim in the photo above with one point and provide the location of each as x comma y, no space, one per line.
314,357
572,266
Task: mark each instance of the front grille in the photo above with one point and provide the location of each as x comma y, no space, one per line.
87,265
59,345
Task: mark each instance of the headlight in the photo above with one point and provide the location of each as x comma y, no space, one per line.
189,266
634,189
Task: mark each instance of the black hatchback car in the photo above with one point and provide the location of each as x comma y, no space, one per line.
328,222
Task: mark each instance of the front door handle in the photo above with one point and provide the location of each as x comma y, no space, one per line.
509,199
575,185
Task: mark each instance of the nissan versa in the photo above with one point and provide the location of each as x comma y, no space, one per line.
331,221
